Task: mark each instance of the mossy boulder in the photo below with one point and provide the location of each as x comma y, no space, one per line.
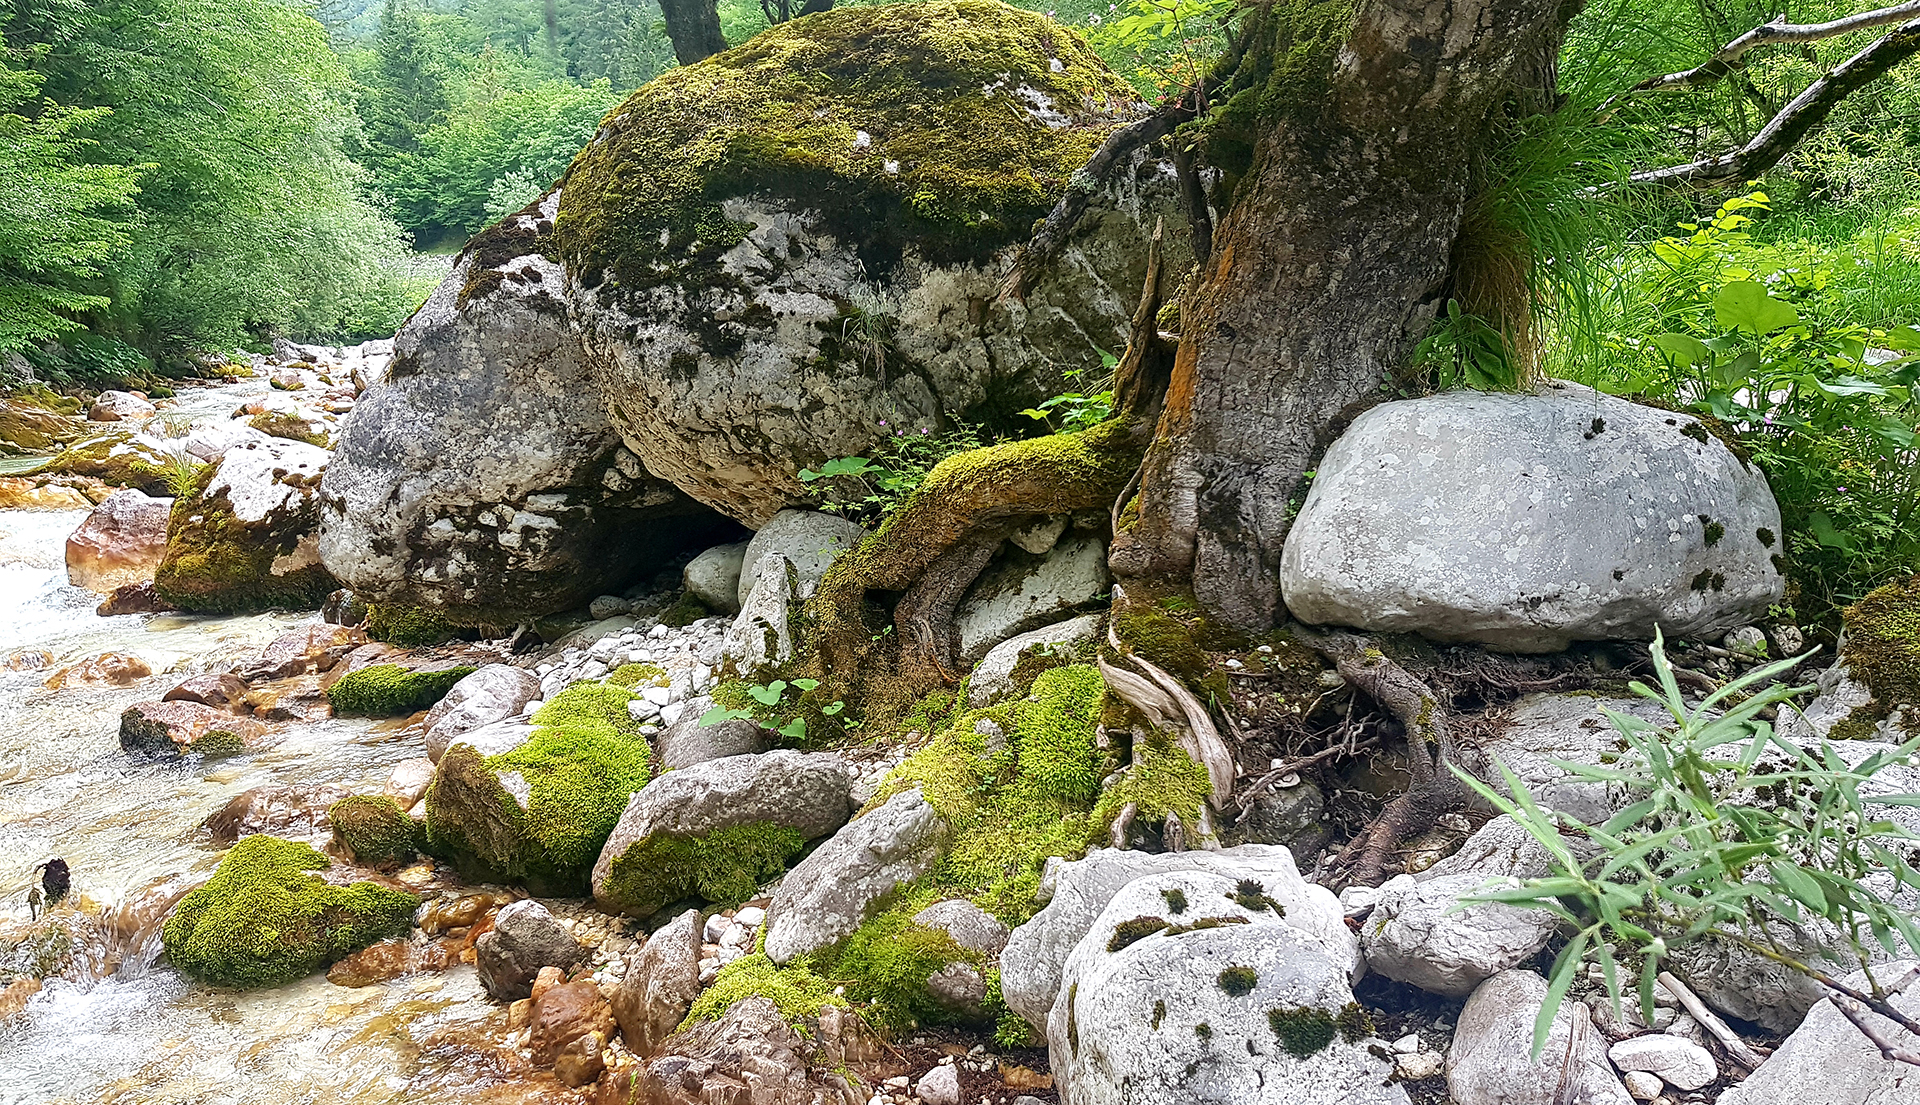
1883,648
539,813
267,918
374,829
824,216
393,690
245,537
117,457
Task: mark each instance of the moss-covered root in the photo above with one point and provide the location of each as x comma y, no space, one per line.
265,918
963,495
390,690
374,829
1883,645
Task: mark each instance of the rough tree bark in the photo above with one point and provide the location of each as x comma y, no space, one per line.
1326,268
694,27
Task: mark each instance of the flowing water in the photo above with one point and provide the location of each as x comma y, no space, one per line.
129,828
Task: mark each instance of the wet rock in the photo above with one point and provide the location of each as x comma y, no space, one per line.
119,406
828,895
121,542
960,986
283,810
1417,935
114,669
134,598
713,577
391,959
221,690
687,742
1827,1061
581,1061
409,782
759,636
343,607
1037,952
525,938
119,458
1605,518
493,693
1022,592
266,918
993,675
306,651
1293,817
186,727
662,979
1157,1004
247,539
374,830
811,542
751,1054
562,1015
717,828
534,508
1491,1059
18,493
299,698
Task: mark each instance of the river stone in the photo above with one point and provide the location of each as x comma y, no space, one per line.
1021,592
1501,848
1491,1060
751,1054
310,650
687,742
1679,1062
525,937
482,479
247,540
661,981
959,986
831,893
186,727
810,541
1526,522
1417,936
993,675
759,636
1543,728
1127,1026
120,543
713,577
1037,952
744,801
295,812
1827,1061
490,694
221,691
119,406
775,314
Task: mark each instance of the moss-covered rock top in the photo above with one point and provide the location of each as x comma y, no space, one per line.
391,690
1883,643
265,918
953,124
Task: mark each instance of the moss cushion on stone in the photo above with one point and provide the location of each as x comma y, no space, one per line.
1883,644
374,829
723,866
957,122
539,814
391,690
243,539
266,917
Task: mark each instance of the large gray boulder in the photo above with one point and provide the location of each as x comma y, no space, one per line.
120,543
1158,1006
482,479
1021,591
687,742
1827,1061
1418,933
1526,522
828,895
742,815
491,694
1543,730
660,983
811,542
1491,1060
1036,954
713,577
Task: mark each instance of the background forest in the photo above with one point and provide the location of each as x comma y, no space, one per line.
191,175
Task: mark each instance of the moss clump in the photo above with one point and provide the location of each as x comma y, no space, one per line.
374,829
265,918
1162,780
1302,1032
638,675
724,866
795,990
887,964
1883,644
406,626
953,158
1252,897
289,426
1130,932
569,784
117,459
1354,1023
390,690
1238,982
216,743
1176,900
217,564
685,610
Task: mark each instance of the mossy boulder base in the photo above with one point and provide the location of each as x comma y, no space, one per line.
245,538
266,917
391,690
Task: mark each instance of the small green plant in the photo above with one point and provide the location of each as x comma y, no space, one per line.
867,489
1078,410
181,472
1735,834
772,708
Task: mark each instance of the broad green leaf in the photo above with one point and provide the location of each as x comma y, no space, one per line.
1745,305
1683,350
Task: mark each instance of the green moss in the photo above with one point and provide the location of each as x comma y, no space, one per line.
217,743
724,866
932,86
1302,1032
583,762
290,426
265,918
1130,932
1163,779
888,962
795,990
390,690
1172,639
685,610
1252,897
1711,531
406,626
1354,1022
1883,644
1176,899
116,459
1238,982
217,564
635,675
374,829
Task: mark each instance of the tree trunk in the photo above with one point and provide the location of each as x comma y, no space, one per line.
1327,268
694,27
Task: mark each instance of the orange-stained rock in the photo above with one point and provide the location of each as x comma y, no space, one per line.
221,691
391,959
114,668
309,650
22,493
546,979
294,812
14,998
298,698
134,598
186,727
579,1062
562,1015
120,543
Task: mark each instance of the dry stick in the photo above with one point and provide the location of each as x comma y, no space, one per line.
1767,34
1737,1049
1345,748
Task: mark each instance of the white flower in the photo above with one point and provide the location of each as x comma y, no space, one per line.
1093,21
